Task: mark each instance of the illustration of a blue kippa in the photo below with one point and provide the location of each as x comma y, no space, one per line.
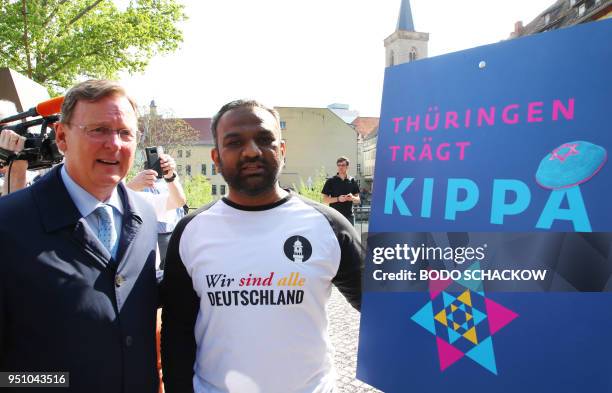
571,164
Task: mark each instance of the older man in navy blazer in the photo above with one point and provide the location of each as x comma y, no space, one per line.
78,290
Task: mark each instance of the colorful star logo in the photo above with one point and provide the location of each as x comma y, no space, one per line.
562,152
463,324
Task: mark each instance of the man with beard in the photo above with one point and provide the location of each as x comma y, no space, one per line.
248,277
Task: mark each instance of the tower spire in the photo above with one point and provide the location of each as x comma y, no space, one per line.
405,44
404,21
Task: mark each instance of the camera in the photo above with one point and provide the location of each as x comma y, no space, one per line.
40,149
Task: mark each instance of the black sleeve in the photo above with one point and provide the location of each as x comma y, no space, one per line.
327,188
352,255
348,277
180,310
355,187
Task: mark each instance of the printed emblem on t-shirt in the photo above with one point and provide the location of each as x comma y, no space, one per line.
297,248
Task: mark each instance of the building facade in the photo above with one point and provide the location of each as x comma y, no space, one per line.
195,159
565,13
315,138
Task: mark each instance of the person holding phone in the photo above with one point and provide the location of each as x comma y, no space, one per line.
165,192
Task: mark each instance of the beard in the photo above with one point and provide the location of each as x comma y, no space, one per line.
251,185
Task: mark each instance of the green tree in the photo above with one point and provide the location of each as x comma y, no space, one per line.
198,191
314,191
56,42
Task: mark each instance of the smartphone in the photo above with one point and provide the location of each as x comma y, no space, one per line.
152,162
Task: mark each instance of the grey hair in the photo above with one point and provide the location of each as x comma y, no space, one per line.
92,90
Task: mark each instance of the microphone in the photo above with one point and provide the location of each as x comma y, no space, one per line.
45,108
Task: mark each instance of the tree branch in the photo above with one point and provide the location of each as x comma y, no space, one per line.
84,11
52,14
75,19
71,59
26,42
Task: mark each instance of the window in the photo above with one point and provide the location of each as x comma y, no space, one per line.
214,189
179,154
187,153
413,54
213,170
179,169
283,125
188,170
581,9
204,169
358,168
222,189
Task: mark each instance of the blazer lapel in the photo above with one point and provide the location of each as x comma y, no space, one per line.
58,212
89,241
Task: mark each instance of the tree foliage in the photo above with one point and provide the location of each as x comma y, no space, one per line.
56,42
314,191
198,190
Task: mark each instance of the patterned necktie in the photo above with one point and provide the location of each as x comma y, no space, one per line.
106,228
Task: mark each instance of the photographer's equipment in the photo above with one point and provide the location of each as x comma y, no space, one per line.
40,149
45,108
152,162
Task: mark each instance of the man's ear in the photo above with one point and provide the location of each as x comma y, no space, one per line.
214,154
60,136
283,148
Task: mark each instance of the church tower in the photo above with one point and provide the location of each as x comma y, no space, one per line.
405,44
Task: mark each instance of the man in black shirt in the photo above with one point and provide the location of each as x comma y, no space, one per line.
341,191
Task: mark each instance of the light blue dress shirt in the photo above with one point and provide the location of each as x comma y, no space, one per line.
87,204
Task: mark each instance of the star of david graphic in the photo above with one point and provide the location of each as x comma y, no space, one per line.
562,152
463,323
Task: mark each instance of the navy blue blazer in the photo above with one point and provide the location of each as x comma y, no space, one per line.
64,304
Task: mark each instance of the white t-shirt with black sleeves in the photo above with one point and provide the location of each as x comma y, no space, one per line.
245,297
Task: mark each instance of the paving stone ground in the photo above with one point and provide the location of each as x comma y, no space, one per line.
344,332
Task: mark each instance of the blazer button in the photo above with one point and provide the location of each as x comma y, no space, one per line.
129,341
119,280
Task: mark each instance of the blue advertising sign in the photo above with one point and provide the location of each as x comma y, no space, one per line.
489,264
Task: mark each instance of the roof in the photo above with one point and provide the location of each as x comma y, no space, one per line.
562,13
365,125
202,125
404,21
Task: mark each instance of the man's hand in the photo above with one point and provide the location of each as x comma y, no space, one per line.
176,195
349,198
168,165
10,140
144,179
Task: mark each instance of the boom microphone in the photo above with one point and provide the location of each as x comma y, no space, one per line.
45,108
